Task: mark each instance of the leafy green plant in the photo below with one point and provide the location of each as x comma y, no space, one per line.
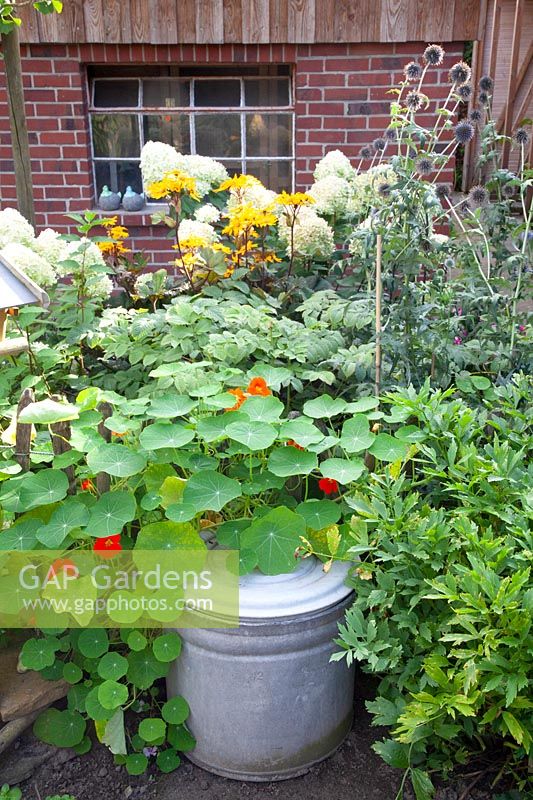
8,793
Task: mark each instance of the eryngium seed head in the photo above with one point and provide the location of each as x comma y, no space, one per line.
478,197
486,84
391,135
379,144
521,136
464,208
384,189
464,132
414,101
508,190
464,91
424,166
434,55
442,190
365,152
413,71
476,115
460,72
483,98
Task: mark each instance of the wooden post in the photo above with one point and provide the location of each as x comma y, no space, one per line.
511,88
17,119
379,248
23,434
60,436
3,324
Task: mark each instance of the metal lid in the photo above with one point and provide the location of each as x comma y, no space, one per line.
303,591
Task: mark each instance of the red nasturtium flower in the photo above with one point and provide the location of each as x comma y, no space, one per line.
241,397
328,485
59,565
107,546
258,386
292,443
87,485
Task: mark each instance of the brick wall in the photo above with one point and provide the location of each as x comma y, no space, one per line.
341,102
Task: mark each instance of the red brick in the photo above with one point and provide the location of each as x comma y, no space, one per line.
326,109
369,79
345,94
309,94
331,79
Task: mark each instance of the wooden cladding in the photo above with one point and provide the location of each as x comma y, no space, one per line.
255,21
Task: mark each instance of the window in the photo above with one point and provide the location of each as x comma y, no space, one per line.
244,120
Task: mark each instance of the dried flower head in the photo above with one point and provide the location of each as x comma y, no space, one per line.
483,98
442,190
478,197
413,71
391,134
384,189
414,100
464,207
365,152
464,132
476,115
379,144
486,84
521,137
464,91
434,55
508,190
460,72
424,166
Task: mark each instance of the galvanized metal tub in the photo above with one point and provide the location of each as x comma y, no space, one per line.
266,703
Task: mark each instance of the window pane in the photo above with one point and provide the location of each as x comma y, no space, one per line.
275,175
218,135
117,175
116,135
217,93
166,93
266,92
116,94
233,166
269,135
168,128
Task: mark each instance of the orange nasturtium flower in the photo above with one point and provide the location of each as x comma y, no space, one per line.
258,386
241,397
107,546
87,485
292,443
174,182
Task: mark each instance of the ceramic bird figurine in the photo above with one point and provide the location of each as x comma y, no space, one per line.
132,201
108,201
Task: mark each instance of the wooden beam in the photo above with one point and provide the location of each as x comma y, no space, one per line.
494,37
17,120
511,88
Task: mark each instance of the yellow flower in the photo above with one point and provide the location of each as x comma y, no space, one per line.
112,247
245,218
191,243
220,248
118,232
295,199
174,182
109,223
238,182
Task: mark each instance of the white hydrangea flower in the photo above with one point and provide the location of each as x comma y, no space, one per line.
51,246
313,237
208,213
331,195
334,163
157,158
15,228
193,228
207,172
366,187
256,194
30,263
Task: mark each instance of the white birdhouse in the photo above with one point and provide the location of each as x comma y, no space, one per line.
16,290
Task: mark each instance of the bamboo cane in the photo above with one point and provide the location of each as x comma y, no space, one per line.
378,312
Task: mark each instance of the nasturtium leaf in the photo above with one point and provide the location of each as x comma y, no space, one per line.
112,694
120,425
274,376
168,760
136,764
117,460
218,401
275,538
181,512
144,669
111,512
71,514
164,434
319,513
356,435
176,710
60,728
8,468
210,490
72,673
84,746
261,482
44,487
254,435
171,490
124,609
45,412
22,536
324,444
136,641
206,390
167,647
228,534
180,738
93,643
152,729
247,561
388,448
114,735
342,470
362,405
95,709
302,430
150,501
155,474
480,382
169,536
168,406
286,461
263,409
37,654
324,406
212,428
112,666
77,697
